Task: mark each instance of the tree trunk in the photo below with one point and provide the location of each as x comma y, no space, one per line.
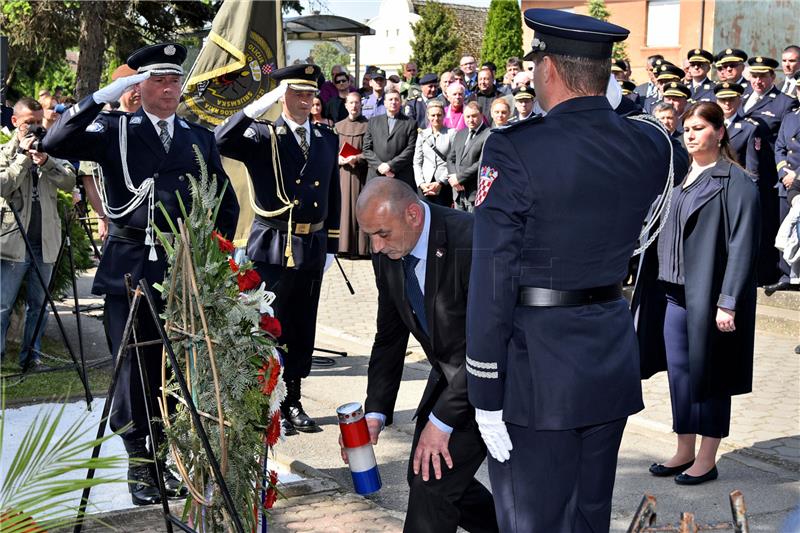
91,47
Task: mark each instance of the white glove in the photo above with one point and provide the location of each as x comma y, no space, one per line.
260,106
114,90
613,92
328,262
494,434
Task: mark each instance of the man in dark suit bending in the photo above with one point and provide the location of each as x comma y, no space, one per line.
422,264
390,141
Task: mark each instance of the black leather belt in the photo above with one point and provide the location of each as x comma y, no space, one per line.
538,297
298,228
131,234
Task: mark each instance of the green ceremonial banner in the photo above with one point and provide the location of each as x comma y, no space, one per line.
243,47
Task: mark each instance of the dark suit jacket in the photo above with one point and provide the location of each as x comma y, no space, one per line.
446,280
396,149
464,163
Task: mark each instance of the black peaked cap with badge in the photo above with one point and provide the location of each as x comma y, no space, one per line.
523,92
762,64
428,78
301,77
669,72
159,59
627,86
560,32
619,65
730,55
698,55
677,89
728,90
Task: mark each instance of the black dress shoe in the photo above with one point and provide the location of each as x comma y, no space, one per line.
769,290
142,486
300,420
288,428
660,470
172,485
686,479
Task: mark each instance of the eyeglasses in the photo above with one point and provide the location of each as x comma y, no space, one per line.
696,65
469,63
343,80
730,66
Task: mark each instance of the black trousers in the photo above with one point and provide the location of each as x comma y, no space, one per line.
557,481
458,499
296,302
129,401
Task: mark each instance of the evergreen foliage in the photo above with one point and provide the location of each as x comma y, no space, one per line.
435,39
326,55
598,10
503,37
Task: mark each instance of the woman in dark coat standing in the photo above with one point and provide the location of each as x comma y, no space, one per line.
695,300
353,243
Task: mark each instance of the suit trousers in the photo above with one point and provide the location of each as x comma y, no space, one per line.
297,294
129,400
557,481
456,500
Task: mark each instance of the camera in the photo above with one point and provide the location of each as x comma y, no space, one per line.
38,132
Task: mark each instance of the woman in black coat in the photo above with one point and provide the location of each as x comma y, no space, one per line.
695,300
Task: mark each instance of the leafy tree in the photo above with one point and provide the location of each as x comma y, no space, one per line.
291,5
435,41
598,10
326,55
503,36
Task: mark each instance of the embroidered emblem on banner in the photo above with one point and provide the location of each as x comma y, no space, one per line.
486,177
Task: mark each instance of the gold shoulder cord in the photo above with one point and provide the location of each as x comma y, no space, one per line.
280,191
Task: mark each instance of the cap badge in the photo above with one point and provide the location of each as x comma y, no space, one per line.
759,60
538,44
309,69
169,50
728,51
696,50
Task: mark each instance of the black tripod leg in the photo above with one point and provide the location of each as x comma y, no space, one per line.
50,301
112,387
76,307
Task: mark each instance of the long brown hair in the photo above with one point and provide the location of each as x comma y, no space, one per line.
712,113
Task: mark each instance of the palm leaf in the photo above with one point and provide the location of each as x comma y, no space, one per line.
33,495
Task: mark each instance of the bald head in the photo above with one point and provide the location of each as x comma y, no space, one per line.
389,211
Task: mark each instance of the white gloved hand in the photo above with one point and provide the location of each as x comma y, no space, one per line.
114,90
328,262
494,434
260,106
613,92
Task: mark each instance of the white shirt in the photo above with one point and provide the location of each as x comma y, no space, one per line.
294,125
420,251
170,123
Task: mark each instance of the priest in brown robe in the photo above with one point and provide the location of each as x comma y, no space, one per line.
353,243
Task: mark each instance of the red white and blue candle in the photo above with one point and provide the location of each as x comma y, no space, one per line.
358,447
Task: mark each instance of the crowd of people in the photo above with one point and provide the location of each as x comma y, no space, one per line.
413,169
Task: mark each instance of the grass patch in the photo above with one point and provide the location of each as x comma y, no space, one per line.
36,387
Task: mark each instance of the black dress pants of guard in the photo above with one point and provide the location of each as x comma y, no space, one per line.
129,402
458,499
296,302
557,481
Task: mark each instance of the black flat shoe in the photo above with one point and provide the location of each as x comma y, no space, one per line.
288,428
769,290
142,486
300,420
660,470
686,479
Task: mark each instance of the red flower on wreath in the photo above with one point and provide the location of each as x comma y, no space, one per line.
224,244
274,429
248,279
268,376
272,493
234,266
271,325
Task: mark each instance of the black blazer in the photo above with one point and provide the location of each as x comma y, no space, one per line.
446,280
464,162
396,149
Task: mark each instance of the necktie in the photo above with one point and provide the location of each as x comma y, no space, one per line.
469,138
166,140
301,132
413,291
754,98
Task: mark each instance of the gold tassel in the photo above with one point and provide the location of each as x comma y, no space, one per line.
288,253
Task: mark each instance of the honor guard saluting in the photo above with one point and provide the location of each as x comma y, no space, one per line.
730,68
552,357
294,173
144,158
699,64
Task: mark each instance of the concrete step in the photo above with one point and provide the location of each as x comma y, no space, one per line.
784,299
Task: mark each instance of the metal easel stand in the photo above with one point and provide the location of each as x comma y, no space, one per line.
325,362
80,368
142,291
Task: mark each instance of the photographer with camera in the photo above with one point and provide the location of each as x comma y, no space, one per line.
29,180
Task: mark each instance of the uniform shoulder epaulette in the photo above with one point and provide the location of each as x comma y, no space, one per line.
752,121
114,113
325,128
517,124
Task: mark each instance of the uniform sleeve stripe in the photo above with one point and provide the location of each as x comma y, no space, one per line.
481,364
782,164
482,374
